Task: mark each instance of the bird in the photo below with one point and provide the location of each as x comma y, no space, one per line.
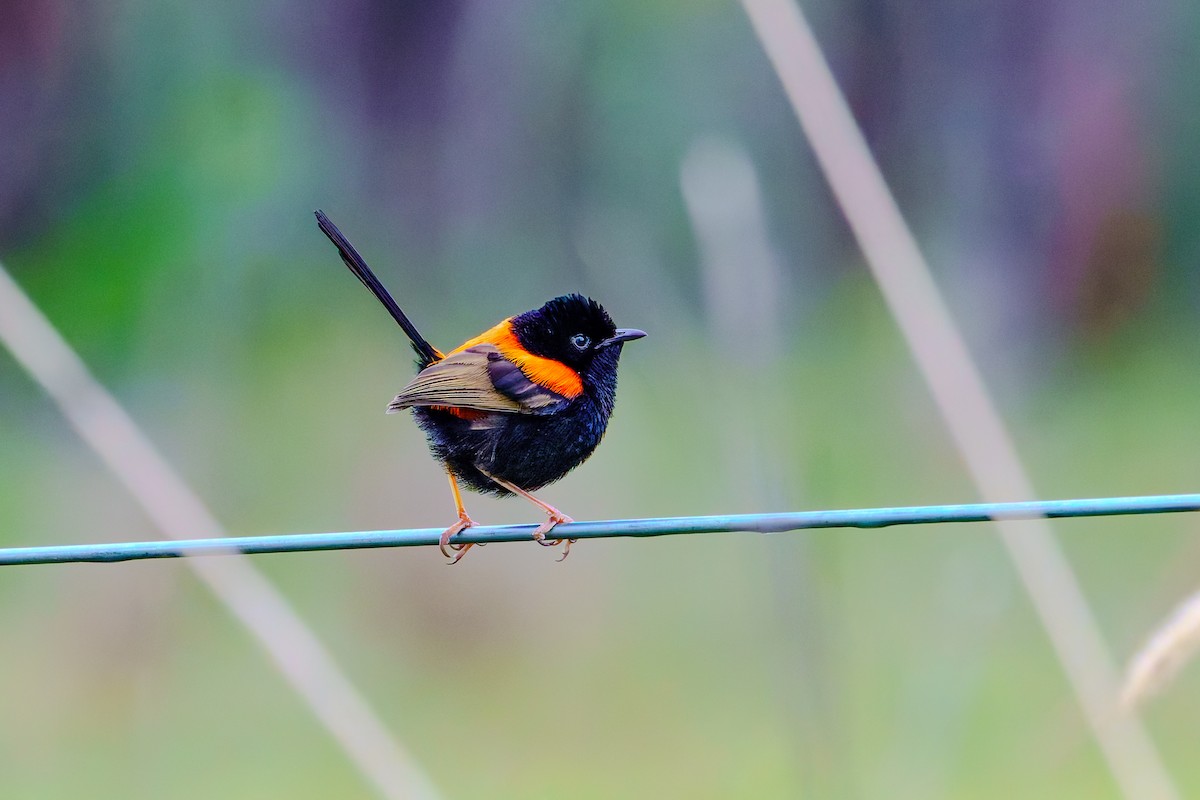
515,408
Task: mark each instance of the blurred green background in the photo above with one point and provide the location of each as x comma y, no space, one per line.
159,165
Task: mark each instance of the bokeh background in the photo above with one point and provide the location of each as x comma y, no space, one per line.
159,165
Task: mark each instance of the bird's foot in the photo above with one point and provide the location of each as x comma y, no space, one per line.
463,523
556,517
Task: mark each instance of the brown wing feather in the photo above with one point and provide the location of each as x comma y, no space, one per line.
478,378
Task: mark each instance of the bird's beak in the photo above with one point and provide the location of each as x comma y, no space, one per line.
623,335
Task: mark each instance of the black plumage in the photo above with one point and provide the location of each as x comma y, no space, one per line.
534,450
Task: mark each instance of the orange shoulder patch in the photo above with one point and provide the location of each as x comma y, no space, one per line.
546,372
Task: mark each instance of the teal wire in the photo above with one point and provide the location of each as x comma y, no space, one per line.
668,526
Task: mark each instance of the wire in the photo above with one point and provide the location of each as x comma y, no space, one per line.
606,529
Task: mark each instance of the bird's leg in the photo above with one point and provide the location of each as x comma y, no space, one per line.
463,523
555,517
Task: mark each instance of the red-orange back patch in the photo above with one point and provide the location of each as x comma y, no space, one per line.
553,375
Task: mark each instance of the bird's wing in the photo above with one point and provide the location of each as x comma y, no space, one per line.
478,378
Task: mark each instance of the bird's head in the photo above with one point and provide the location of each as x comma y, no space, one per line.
576,331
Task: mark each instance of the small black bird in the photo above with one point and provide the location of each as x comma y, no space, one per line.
518,406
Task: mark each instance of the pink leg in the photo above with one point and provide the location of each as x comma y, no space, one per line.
555,517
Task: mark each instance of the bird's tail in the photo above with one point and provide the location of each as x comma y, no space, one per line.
426,352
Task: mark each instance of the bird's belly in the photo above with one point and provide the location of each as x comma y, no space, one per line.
526,450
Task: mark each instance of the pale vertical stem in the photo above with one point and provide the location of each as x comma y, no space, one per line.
178,512
743,283
957,387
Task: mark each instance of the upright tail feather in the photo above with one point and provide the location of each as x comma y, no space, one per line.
427,352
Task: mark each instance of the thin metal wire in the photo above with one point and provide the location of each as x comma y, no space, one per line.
607,529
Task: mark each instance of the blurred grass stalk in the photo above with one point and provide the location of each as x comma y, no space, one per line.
743,283
178,511
957,387
1172,644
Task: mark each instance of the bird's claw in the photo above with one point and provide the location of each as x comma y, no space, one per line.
463,523
566,549
539,534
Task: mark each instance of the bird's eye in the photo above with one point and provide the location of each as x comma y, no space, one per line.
580,341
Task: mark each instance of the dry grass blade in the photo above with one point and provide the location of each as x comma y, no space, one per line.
1170,647
177,511
957,387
